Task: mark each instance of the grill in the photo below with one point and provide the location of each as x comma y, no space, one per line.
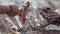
49,15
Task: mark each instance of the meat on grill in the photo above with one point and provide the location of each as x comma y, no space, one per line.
50,15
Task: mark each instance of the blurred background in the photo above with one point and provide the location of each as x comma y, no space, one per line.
35,5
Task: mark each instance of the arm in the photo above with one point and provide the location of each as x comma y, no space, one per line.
10,10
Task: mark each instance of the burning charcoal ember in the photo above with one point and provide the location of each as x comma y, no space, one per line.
50,15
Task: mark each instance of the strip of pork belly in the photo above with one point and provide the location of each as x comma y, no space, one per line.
23,9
